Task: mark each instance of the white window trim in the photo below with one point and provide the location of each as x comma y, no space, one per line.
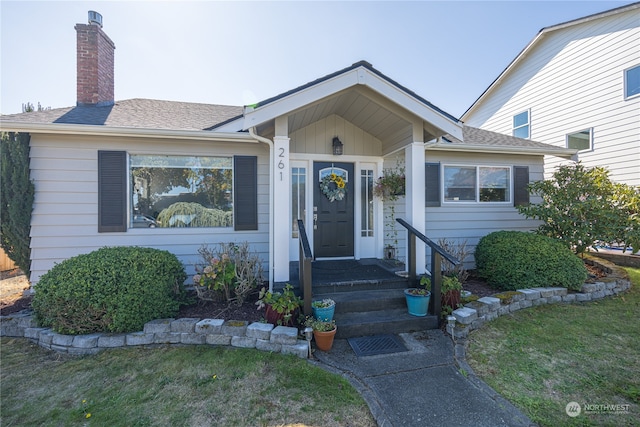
624,78
513,128
586,150
477,189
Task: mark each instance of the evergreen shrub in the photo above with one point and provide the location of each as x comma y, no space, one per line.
511,260
113,289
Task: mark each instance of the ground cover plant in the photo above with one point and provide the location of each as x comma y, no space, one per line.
184,386
543,358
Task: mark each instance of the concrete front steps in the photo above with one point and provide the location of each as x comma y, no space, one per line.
372,308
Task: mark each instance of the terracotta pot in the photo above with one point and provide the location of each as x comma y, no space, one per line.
324,340
277,319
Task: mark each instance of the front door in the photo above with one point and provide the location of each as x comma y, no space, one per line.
333,198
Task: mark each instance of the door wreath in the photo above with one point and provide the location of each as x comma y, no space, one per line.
334,187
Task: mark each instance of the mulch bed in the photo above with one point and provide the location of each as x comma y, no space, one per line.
249,311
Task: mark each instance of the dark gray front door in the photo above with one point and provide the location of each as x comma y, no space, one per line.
333,225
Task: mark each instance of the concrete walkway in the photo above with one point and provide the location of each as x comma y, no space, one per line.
425,386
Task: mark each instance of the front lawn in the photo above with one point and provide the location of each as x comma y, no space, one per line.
183,386
543,358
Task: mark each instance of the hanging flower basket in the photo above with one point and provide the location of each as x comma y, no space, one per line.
334,187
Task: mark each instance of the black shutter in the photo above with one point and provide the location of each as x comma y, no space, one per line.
245,192
112,191
432,184
520,184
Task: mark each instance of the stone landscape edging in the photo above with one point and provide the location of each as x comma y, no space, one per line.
162,332
476,313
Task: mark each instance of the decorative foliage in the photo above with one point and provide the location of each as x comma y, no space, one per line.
458,251
324,303
581,206
115,289
333,186
16,198
320,325
285,303
231,271
391,185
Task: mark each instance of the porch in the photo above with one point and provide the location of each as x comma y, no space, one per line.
369,296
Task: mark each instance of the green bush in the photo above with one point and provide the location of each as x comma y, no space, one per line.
511,260
114,289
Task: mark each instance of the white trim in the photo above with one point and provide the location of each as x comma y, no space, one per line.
346,80
584,150
624,77
551,151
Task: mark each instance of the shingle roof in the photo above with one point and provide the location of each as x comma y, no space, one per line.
135,113
485,138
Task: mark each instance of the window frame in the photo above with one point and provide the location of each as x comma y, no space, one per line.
584,150
514,128
477,201
625,75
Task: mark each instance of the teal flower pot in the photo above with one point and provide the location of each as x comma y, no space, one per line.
418,305
324,314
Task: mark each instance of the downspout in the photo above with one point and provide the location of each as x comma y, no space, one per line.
267,141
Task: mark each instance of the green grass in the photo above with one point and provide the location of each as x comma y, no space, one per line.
185,386
545,357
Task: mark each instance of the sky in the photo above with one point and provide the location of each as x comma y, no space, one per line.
238,53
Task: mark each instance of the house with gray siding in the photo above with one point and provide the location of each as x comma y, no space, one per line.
176,175
575,85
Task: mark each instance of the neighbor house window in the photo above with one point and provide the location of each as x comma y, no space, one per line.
521,124
579,140
181,191
477,184
366,200
632,82
299,199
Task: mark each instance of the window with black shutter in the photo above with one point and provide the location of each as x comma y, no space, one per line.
245,192
520,184
432,184
112,191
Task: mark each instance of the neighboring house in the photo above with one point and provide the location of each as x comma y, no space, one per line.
575,85
174,175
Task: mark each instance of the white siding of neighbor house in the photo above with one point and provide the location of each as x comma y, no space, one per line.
65,216
458,222
572,80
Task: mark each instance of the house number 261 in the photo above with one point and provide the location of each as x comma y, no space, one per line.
281,164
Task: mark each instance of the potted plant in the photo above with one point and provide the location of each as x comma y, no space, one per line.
390,187
324,309
451,287
323,332
281,308
418,298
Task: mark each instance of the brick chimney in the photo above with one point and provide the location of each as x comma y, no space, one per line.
95,52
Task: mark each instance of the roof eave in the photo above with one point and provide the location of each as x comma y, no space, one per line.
565,153
100,130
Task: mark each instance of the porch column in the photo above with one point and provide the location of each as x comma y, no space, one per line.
415,196
281,202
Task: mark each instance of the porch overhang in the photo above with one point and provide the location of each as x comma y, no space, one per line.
362,96
564,153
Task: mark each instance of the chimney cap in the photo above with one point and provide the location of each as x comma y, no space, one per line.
95,18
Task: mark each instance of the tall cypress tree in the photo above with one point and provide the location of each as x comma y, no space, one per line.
16,198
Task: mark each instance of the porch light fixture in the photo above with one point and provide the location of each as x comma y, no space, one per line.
337,146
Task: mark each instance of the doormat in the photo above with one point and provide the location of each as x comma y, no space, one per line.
376,344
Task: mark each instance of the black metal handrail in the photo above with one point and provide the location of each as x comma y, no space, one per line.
304,267
437,253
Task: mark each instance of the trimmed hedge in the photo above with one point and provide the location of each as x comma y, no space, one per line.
511,260
114,289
